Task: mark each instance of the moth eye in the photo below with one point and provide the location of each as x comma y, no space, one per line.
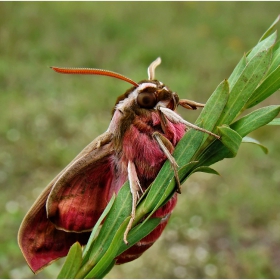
146,100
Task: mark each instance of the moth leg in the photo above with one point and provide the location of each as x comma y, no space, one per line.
175,118
164,144
189,104
135,187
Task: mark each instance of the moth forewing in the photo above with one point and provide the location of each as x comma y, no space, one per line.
72,190
38,237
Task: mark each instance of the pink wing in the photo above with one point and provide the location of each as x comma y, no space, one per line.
39,240
73,201
81,193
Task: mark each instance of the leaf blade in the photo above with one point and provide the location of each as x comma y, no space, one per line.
72,263
245,86
274,122
255,119
267,88
230,139
251,140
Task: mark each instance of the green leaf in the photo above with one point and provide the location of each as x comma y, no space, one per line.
106,270
231,139
94,230
186,170
110,254
215,152
267,87
188,146
214,107
255,119
263,45
237,71
212,111
275,122
72,263
139,232
206,169
220,149
270,29
254,141
120,210
245,86
275,61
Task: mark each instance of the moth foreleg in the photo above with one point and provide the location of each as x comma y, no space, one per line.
175,118
135,187
164,143
190,104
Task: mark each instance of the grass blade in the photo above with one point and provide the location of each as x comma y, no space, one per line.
231,139
256,142
275,122
245,86
72,263
255,119
93,233
267,88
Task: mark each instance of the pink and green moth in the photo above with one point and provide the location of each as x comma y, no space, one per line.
141,136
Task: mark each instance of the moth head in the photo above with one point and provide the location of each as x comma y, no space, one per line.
148,94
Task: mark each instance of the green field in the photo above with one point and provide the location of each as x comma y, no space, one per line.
223,226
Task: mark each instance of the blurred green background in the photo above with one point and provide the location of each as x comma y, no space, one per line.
223,227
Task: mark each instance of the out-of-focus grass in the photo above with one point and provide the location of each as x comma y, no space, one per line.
223,227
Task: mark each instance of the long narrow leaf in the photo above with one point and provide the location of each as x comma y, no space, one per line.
256,142
231,139
275,60
270,30
263,45
218,150
206,169
101,218
214,108
245,86
120,210
275,122
237,71
72,263
255,119
268,87
111,252
139,232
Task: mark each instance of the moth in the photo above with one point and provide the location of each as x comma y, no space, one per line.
141,136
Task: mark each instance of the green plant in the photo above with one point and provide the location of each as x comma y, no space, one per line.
256,77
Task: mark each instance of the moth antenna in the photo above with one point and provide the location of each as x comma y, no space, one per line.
152,67
93,71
